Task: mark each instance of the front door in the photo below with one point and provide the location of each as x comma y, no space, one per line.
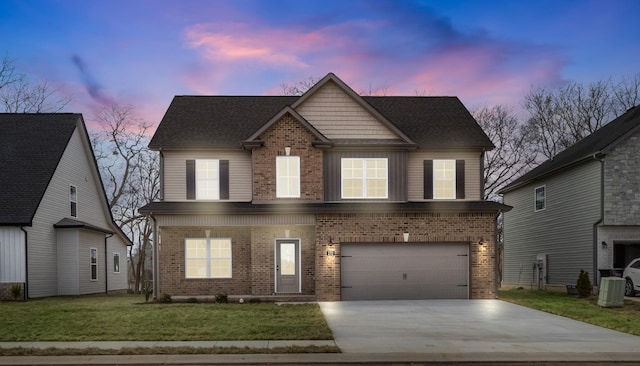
287,266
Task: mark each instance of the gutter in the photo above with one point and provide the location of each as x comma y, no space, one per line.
26,263
598,157
155,259
106,264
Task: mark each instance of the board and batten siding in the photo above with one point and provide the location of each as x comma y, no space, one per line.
12,254
337,116
396,165
175,173
563,231
473,175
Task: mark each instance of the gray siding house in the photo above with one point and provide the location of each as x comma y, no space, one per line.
328,196
578,210
57,235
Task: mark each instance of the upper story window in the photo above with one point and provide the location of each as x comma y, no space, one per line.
207,179
541,198
93,264
288,176
444,179
365,178
208,258
73,201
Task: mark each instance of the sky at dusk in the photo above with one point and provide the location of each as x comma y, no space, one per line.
485,52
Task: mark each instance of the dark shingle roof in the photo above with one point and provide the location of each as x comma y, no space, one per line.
224,121
31,146
597,143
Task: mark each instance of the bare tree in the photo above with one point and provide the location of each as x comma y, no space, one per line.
300,87
131,177
18,94
626,93
512,154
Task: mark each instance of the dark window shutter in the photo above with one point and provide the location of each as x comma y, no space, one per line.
460,179
224,179
428,179
191,179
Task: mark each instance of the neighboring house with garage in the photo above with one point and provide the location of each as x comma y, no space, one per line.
329,195
578,210
57,235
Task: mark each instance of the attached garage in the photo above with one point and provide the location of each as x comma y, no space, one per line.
394,271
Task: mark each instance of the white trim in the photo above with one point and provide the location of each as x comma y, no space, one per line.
535,198
364,179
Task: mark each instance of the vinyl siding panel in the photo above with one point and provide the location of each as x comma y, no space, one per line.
12,254
397,173
235,220
473,175
67,251
240,173
88,240
563,231
336,115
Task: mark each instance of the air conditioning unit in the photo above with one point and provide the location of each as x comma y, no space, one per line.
611,292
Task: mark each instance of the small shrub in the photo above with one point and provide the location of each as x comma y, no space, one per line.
147,290
192,300
16,290
165,298
222,298
583,284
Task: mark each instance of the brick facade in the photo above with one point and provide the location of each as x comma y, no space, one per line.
287,132
422,228
621,181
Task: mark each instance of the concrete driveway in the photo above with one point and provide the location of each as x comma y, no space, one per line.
479,329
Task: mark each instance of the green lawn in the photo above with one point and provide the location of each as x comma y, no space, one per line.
127,317
624,319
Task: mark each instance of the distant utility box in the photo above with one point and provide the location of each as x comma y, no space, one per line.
611,292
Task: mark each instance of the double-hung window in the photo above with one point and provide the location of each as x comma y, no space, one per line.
541,198
73,201
288,176
207,179
208,258
93,263
365,178
444,179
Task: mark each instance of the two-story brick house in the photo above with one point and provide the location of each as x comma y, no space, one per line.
328,195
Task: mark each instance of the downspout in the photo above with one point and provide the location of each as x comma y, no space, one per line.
106,264
155,259
599,222
26,263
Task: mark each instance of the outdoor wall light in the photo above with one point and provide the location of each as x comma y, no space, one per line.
287,233
604,244
405,236
481,241
207,233
330,242
287,150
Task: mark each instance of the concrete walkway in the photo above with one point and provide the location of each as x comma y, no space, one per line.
400,332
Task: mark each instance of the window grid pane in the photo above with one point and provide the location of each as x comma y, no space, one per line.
207,180
540,198
288,176
208,258
444,179
364,178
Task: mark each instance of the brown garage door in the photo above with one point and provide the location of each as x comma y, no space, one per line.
397,271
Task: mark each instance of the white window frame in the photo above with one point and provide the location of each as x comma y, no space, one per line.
201,180
116,260
207,258
93,264
365,178
436,179
73,201
544,198
284,183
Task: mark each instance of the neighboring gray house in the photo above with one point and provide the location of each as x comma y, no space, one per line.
57,235
578,210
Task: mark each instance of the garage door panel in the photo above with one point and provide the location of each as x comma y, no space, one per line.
404,271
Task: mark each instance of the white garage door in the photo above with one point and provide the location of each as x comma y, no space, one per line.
397,271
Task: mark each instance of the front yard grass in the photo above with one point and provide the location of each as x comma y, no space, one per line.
128,318
623,319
